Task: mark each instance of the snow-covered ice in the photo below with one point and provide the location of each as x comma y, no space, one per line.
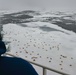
55,48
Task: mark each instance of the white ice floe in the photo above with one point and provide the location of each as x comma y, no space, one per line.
54,49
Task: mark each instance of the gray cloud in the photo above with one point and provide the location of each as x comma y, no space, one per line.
38,4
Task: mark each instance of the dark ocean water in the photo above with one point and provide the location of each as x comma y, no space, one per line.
71,27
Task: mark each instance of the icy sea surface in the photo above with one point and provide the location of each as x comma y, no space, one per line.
48,39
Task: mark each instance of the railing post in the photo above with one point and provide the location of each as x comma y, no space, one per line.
44,71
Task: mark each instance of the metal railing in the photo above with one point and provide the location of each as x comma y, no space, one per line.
43,67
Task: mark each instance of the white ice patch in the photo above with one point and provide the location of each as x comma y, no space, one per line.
54,48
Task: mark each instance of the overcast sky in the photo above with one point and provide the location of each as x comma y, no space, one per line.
63,5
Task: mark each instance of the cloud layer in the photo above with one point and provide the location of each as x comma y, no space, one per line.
38,4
